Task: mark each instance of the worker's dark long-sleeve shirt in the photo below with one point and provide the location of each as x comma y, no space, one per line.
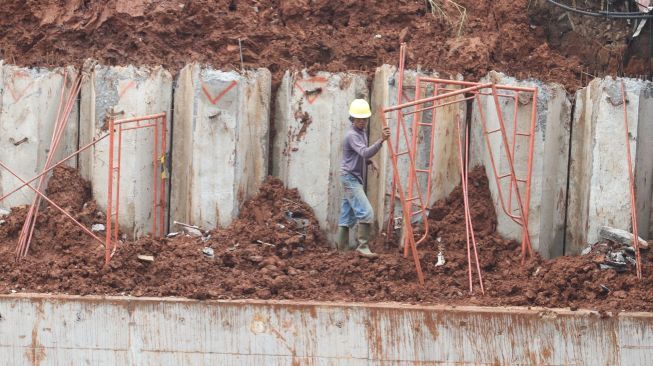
355,152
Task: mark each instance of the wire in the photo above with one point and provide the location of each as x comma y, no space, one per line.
603,14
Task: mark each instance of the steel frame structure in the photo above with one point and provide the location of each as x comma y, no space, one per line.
411,195
158,123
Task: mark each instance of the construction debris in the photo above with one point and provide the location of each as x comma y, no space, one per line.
621,236
98,227
146,258
209,252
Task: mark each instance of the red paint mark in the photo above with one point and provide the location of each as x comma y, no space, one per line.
312,94
16,95
124,90
215,99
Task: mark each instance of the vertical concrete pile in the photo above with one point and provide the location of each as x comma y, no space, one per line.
220,143
29,100
311,117
599,189
123,92
550,157
445,174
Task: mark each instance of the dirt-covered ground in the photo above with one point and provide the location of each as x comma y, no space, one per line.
265,255
330,35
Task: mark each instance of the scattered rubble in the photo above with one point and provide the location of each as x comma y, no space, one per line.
621,236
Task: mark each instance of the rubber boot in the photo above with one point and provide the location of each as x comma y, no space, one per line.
364,240
343,238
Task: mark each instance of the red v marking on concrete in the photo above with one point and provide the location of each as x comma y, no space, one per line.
127,87
311,95
217,98
18,95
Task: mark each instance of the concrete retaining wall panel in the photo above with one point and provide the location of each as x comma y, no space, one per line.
51,330
599,184
29,100
126,92
550,157
445,174
311,119
220,143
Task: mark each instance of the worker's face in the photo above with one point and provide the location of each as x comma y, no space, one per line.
360,123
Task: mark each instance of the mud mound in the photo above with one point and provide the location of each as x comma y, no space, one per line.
330,35
53,229
275,250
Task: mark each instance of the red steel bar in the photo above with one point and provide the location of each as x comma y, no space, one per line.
85,147
117,215
631,181
470,83
439,105
400,89
154,177
412,177
139,127
493,163
469,228
514,142
30,221
405,206
107,246
531,150
526,243
437,97
162,205
141,118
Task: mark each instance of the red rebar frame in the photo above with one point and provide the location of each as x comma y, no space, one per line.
475,90
159,125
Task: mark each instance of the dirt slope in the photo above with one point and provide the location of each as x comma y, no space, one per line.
332,35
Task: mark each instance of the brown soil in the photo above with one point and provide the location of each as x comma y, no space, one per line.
265,254
330,35
604,45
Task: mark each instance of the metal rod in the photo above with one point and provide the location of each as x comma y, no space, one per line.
400,86
107,245
142,118
438,106
85,147
437,97
631,181
405,207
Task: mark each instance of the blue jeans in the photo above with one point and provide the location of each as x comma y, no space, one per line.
355,205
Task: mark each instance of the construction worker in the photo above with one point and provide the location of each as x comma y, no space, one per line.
355,158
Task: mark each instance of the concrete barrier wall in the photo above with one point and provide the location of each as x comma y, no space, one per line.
220,146
551,153
125,92
54,330
599,184
445,174
310,121
29,100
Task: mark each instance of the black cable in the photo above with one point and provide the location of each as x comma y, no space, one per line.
603,14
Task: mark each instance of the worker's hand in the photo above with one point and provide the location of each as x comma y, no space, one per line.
385,134
374,167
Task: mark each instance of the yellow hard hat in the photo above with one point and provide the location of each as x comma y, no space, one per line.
359,108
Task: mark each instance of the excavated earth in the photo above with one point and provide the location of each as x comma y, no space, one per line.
269,254
329,35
